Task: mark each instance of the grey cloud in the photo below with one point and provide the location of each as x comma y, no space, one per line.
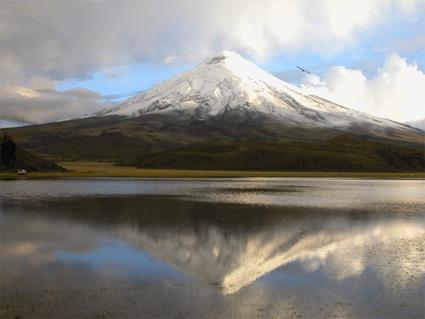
72,39
47,105
46,41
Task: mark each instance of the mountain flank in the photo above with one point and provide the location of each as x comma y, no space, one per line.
227,113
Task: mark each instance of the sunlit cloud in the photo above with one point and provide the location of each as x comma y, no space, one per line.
395,92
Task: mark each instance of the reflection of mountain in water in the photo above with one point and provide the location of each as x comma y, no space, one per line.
228,246
235,259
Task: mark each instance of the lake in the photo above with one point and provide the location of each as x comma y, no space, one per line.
212,248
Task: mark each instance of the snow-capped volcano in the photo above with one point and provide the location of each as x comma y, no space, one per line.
227,113
229,83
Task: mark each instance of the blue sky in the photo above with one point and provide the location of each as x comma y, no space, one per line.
120,82
366,54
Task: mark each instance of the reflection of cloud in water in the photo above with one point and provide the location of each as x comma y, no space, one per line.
352,255
37,239
335,194
294,256
359,252
234,260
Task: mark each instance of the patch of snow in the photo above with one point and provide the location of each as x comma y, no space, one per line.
228,81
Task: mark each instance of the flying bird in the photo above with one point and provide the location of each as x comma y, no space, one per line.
303,70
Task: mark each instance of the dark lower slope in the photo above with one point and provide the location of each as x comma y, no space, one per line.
118,138
224,142
34,163
343,153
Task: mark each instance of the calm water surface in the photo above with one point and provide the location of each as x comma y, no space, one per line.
212,248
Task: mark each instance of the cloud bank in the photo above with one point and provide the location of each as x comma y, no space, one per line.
23,104
71,39
397,91
47,41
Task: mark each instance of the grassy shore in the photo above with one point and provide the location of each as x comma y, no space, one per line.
103,169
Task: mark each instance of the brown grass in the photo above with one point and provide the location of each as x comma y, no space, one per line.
105,169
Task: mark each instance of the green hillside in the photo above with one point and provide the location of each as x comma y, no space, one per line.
165,141
342,153
35,163
14,158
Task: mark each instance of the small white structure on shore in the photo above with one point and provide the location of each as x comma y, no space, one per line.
22,171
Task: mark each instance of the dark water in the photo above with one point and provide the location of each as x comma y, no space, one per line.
233,248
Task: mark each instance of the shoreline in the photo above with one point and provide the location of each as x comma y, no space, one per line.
105,169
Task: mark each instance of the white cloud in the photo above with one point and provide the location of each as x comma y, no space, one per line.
72,39
397,91
45,41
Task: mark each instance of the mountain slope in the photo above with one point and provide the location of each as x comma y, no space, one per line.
228,113
32,163
230,83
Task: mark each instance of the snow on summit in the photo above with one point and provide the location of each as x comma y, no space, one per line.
227,83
